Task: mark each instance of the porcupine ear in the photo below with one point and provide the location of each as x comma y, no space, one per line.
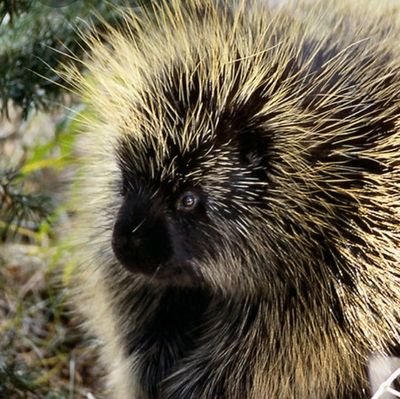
254,150
252,147
254,141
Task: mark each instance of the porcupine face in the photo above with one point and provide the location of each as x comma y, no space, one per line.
190,197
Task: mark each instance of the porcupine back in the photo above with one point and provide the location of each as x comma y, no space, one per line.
286,116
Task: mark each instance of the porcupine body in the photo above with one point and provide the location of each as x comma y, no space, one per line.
239,209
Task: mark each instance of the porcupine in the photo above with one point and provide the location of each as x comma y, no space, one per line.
239,208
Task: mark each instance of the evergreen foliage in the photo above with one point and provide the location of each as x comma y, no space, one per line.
18,207
34,40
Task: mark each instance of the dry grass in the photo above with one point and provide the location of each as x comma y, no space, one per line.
43,353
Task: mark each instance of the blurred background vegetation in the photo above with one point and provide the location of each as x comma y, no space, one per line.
42,351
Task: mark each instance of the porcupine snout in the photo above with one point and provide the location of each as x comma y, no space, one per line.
140,239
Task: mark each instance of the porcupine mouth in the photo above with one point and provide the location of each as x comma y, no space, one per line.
174,274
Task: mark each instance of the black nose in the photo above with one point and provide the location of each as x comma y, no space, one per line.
141,244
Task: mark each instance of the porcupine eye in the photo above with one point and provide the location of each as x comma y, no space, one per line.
188,202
